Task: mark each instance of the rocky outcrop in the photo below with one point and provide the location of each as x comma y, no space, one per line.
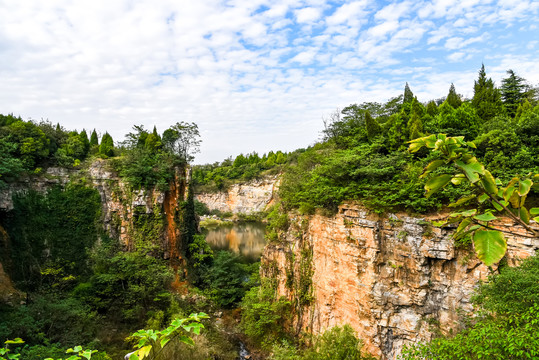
8,294
247,198
126,215
120,205
394,279
52,176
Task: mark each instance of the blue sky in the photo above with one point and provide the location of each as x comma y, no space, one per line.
255,75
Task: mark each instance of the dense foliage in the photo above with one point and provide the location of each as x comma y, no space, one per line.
338,343
52,234
218,176
506,326
363,156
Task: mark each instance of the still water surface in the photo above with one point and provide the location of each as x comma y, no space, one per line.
245,239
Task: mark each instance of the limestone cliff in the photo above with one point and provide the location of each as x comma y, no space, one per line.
394,279
122,209
8,294
247,198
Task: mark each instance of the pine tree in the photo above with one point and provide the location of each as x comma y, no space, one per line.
432,108
487,99
453,98
373,127
523,108
408,94
94,141
415,126
83,136
513,92
106,149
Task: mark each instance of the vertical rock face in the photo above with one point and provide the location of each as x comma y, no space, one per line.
120,205
247,198
8,294
395,280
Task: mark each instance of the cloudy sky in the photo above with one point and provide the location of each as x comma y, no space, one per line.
255,75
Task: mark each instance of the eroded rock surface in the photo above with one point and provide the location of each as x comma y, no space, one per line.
247,198
395,280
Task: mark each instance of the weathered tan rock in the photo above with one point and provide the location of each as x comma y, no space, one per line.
8,294
393,279
247,198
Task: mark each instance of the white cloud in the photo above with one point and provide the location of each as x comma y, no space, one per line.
254,75
308,15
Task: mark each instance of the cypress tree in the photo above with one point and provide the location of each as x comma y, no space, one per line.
408,94
106,149
415,128
487,99
432,108
453,98
513,92
373,127
94,141
83,136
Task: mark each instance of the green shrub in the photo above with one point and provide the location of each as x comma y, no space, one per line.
227,279
263,317
337,343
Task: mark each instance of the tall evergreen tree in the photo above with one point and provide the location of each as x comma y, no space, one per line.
453,98
408,94
94,141
415,126
432,108
106,149
487,99
373,127
83,136
513,92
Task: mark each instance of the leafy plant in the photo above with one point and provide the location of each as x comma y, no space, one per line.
5,352
489,241
152,342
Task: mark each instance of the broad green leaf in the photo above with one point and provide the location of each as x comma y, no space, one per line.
471,229
134,356
14,341
489,183
414,147
524,215
534,211
463,225
471,144
439,223
462,200
432,166
436,184
472,169
490,246
536,219
458,179
429,140
514,200
186,340
164,342
466,213
481,198
88,353
497,206
485,217
524,187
